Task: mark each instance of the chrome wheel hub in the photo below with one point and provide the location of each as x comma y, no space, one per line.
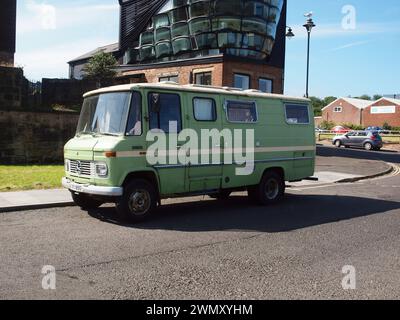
139,202
272,189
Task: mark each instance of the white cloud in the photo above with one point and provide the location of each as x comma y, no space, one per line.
40,16
336,30
350,45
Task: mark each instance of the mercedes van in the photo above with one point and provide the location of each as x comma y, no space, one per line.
137,144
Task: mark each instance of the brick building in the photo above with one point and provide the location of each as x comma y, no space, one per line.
231,43
385,110
345,110
7,32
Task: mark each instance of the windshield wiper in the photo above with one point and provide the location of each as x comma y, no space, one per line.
85,132
107,134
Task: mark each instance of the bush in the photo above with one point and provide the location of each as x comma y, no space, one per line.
353,126
327,125
386,126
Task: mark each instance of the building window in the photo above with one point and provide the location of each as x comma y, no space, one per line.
297,114
164,109
265,85
204,109
203,78
241,111
173,78
338,109
241,81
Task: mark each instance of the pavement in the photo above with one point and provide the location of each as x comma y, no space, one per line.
328,170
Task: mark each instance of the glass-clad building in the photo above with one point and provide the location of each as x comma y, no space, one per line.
167,30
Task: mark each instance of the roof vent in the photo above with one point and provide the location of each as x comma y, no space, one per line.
169,82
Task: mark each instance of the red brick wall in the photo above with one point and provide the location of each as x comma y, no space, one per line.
255,71
184,73
349,114
380,119
222,73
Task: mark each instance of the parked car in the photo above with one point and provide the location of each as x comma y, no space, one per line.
319,130
340,129
377,129
359,139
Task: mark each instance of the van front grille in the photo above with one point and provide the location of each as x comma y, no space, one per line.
81,168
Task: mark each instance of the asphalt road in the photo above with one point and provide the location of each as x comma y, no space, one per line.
204,249
392,157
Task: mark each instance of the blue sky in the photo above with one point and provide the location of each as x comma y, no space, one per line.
360,58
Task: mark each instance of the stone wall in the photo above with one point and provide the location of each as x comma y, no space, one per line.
65,92
34,138
12,83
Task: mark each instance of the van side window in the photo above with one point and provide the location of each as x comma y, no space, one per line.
163,109
241,111
134,126
204,109
297,114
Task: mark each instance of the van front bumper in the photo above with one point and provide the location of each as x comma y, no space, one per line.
92,190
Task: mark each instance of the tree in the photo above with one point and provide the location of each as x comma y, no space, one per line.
377,97
329,100
317,104
101,68
365,97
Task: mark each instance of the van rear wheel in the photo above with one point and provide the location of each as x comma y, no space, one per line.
271,189
138,202
85,202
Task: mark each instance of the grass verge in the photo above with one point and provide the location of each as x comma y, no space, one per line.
16,178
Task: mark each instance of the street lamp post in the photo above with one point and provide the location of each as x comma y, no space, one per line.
309,26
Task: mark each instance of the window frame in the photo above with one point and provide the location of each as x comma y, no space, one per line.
129,113
297,104
195,74
169,78
338,109
214,109
253,102
149,93
267,79
242,75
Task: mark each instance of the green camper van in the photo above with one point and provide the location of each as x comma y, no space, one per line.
137,144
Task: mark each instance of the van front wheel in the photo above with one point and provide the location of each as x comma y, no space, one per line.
271,189
138,202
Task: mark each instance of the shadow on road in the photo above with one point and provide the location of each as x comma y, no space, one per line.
237,213
358,154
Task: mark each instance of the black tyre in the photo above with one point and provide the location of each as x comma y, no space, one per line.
338,143
271,189
138,202
368,146
222,195
85,202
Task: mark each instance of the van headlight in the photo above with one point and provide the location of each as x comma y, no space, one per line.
101,169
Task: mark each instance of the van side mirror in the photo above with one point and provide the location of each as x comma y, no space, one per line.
155,103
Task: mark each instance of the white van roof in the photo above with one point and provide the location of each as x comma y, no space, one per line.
196,88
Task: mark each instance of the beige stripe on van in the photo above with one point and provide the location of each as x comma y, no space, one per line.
138,154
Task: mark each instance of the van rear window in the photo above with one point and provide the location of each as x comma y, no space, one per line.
297,114
241,111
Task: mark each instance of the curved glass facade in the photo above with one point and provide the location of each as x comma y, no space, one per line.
245,28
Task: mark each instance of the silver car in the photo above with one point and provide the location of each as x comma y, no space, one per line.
359,139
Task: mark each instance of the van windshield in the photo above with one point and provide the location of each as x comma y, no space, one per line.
104,114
